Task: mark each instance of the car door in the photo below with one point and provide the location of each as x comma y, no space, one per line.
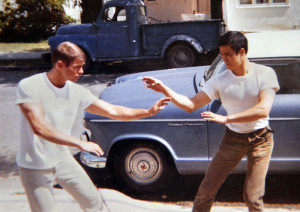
113,33
285,117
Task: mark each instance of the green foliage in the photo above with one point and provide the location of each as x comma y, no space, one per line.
31,20
90,10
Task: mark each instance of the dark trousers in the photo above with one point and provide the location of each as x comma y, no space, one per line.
257,146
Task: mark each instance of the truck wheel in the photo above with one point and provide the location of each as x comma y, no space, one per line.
88,66
181,56
143,167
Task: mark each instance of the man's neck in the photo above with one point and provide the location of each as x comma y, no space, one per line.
243,69
55,78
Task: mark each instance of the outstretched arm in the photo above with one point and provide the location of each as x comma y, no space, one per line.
258,111
106,109
34,114
181,101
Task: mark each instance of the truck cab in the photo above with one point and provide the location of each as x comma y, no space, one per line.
117,28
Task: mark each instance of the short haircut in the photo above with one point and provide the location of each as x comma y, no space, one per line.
67,52
235,39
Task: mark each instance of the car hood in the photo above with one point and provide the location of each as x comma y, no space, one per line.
170,72
132,93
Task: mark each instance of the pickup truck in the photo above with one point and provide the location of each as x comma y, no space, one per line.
122,32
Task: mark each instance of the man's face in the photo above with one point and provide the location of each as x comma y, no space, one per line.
74,70
230,57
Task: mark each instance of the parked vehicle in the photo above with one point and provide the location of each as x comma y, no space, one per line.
122,32
145,153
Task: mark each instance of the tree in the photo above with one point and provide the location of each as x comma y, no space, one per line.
31,20
90,10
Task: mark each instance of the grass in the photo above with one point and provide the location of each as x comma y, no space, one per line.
21,47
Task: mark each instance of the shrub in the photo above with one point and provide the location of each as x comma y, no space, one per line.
31,20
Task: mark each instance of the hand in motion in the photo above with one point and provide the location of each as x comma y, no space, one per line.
159,105
91,147
153,84
210,116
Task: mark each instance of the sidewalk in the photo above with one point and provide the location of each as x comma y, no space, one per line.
23,60
13,199
21,55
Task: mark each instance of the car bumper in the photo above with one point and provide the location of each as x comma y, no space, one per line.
92,160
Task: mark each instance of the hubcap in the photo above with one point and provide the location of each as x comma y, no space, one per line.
181,58
143,165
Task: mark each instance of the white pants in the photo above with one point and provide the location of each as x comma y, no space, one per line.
38,185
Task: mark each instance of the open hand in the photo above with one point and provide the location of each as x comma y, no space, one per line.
210,116
153,84
159,105
91,147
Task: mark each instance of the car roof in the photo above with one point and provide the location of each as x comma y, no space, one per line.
284,43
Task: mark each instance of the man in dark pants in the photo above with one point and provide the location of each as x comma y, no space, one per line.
247,91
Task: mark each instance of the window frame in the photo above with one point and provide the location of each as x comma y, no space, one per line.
270,3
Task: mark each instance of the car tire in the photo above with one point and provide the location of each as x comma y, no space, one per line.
143,168
180,56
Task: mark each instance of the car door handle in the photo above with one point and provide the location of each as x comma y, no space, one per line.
124,26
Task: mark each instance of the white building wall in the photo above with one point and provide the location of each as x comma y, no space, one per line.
262,17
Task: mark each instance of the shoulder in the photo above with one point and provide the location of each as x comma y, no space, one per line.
262,68
32,81
76,87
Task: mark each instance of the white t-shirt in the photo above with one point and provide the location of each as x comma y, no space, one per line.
60,106
239,93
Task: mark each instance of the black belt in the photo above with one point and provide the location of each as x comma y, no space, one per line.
252,135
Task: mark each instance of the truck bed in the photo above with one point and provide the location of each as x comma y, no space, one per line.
206,32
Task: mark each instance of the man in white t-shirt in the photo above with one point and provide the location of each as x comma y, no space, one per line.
247,91
48,106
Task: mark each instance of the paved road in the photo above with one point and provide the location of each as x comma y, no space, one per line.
282,190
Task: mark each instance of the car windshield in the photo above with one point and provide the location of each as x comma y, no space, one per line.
216,67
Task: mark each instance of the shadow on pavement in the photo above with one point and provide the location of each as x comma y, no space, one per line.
280,189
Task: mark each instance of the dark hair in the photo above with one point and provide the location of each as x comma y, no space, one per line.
67,52
235,39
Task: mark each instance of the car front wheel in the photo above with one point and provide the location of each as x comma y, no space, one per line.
143,168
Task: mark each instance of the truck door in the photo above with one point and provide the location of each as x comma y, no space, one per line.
112,34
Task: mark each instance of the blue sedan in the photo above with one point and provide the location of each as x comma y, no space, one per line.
144,154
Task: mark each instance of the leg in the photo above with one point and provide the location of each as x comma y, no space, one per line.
258,162
230,153
39,189
71,176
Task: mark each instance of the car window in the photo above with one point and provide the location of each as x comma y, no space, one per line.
216,67
288,76
287,70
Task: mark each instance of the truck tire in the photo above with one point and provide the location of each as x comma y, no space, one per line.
143,168
180,56
88,66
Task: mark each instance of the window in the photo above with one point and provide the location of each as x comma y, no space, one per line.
262,2
115,14
288,74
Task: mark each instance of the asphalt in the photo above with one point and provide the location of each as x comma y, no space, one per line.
13,197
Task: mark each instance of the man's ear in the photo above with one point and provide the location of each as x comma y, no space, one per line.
59,65
242,52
